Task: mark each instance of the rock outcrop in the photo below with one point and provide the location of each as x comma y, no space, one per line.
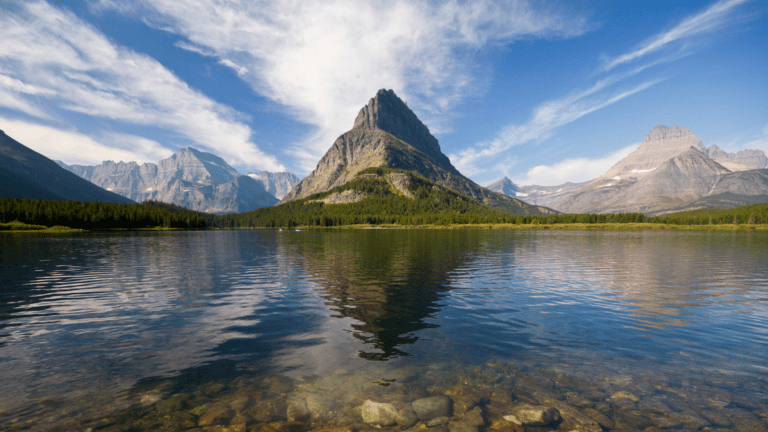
386,133
190,178
25,173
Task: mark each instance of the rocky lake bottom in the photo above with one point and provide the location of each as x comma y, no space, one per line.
364,331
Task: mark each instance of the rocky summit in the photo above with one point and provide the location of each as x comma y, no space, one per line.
190,178
386,133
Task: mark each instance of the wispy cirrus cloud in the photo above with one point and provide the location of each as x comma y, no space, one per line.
711,19
51,56
551,115
545,120
323,59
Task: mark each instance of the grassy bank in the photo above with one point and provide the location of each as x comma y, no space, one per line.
564,227
17,227
20,227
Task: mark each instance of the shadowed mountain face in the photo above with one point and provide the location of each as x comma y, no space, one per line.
670,171
190,178
25,173
388,134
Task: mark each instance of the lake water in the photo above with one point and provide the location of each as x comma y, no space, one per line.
215,329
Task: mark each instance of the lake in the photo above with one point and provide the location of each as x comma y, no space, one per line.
242,329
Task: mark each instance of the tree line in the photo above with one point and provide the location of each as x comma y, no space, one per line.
95,215
434,205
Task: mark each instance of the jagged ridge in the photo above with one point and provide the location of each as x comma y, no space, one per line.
190,178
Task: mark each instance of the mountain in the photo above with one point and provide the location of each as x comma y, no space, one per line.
278,184
376,195
742,161
386,133
25,173
534,194
190,178
670,171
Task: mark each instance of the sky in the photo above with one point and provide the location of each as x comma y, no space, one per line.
541,92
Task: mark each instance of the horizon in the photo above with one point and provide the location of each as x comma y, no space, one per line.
542,94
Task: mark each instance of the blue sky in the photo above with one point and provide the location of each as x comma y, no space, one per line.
541,92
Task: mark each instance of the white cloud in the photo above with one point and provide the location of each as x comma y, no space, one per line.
707,21
75,148
574,170
546,118
52,54
237,68
323,59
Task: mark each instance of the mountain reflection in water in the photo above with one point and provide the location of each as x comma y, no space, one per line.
389,282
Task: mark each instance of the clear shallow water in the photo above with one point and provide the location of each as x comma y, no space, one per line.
100,330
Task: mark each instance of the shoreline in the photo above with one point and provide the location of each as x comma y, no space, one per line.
549,227
509,227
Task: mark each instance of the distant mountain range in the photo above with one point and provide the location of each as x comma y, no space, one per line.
546,196
190,178
671,171
387,134
25,173
278,184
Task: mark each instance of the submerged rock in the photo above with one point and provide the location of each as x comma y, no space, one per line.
218,414
438,421
506,426
432,407
625,395
406,417
173,403
474,417
381,414
511,418
599,417
466,397
536,415
297,410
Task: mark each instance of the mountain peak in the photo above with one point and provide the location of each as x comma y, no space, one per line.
662,136
387,112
